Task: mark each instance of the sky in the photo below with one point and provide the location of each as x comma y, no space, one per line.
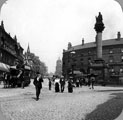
48,25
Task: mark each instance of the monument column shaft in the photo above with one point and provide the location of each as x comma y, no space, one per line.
99,45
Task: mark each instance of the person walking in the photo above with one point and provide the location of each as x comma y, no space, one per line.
62,84
70,86
50,83
21,78
92,82
38,84
57,80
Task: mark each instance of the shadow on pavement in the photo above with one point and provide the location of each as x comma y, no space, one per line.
34,98
109,110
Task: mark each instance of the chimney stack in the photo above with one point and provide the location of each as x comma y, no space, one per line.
82,41
118,36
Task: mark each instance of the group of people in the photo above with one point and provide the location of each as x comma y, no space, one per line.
59,84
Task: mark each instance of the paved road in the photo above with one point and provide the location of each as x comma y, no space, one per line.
20,104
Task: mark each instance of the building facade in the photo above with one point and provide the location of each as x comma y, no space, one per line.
11,51
85,55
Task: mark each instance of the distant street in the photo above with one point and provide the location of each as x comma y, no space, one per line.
20,104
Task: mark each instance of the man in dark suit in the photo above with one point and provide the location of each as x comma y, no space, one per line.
38,84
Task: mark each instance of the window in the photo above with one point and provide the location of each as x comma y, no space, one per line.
89,52
111,59
81,55
122,58
121,70
122,50
81,59
111,51
111,70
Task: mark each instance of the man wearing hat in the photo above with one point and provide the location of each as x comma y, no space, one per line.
38,84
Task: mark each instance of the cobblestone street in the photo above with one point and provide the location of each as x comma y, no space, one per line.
20,104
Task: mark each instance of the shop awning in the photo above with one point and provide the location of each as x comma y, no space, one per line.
4,67
25,67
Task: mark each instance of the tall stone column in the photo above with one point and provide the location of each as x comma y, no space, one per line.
99,27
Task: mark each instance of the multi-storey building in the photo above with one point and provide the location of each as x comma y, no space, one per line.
78,58
10,50
58,71
103,58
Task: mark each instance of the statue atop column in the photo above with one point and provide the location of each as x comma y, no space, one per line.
99,18
99,26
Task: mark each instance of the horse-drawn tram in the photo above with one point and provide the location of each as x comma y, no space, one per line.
17,77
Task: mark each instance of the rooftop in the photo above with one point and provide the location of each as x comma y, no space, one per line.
108,42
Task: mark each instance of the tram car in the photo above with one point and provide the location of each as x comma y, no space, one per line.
19,75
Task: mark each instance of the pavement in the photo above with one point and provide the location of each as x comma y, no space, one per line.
20,104
120,117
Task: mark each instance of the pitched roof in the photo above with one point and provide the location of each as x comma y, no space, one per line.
108,42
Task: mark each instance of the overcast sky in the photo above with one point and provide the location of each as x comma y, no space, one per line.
48,25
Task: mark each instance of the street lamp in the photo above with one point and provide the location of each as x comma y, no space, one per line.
72,53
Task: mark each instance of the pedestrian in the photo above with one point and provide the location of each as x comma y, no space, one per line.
70,86
38,84
57,80
21,78
50,83
92,82
5,80
80,82
62,84
77,82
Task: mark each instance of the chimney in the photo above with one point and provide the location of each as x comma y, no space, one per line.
118,36
15,38
82,41
2,24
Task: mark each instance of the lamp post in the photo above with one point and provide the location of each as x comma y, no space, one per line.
72,64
